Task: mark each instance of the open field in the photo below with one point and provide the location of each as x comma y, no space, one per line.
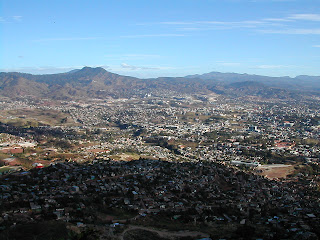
6,169
125,157
35,117
273,171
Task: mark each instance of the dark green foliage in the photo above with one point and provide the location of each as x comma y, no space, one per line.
141,235
39,231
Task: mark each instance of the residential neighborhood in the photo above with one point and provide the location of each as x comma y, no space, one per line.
196,163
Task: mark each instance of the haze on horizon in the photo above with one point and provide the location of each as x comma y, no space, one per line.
165,38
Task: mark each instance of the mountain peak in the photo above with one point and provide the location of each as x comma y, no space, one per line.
90,70
98,83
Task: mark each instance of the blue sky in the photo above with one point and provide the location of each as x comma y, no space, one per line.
161,38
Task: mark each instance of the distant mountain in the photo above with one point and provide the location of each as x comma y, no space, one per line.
99,83
16,84
297,83
90,82
86,82
309,82
257,89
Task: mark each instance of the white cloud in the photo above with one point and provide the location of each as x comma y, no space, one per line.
17,18
299,31
277,20
316,46
177,23
132,67
306,17
291,22
198,24
277,25
10,19
141,55
225,25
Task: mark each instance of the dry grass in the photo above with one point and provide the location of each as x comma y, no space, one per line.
276,170
47,117
125,157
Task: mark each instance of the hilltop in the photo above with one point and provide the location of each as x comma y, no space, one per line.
99,83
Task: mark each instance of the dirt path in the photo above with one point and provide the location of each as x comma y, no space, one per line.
165,233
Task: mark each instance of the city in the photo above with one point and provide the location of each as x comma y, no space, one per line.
196,163
159,120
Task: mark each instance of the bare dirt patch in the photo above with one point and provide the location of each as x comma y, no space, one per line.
276,171
125,157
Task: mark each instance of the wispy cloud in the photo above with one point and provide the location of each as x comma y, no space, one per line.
271,66
216,25
300,31
210,24
277,20
67,39
316,46
306,17
17,18
133,67
290,22
10,19
177,23
142,55
273,25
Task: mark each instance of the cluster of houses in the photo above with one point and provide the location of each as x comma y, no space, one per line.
247,125
192,183
277,126
200,193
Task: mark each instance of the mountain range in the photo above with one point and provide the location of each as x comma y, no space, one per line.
99,83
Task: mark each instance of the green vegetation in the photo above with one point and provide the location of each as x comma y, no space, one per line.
35,117
22,123
306,170
41,231
25,162
141,235
5,169
118,213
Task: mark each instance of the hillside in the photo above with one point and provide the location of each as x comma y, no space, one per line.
302,82
99,83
